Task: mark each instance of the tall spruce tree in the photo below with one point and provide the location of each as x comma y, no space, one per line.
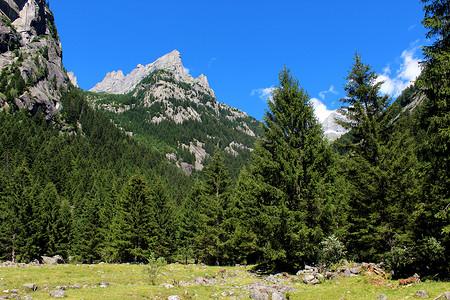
214,199
132,223
291,166
381,169
432,218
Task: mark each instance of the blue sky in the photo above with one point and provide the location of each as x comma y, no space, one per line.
242,45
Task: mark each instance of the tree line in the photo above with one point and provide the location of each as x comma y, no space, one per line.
380,193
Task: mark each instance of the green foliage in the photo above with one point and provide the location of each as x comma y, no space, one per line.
291,166
154,268
331,250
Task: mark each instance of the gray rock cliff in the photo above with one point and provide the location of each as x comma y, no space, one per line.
30,57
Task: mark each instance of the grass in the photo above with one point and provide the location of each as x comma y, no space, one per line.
131,281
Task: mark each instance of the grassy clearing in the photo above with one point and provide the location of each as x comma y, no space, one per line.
130,281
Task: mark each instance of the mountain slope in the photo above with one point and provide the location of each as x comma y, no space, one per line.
162,106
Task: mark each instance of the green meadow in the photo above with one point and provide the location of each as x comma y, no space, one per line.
127,281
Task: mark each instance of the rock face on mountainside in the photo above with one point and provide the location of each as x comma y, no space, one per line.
161,102
117,83
30,57
331,128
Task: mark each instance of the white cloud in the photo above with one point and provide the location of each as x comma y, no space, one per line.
320,109
186,70
406,74
264,93
331,90
410,68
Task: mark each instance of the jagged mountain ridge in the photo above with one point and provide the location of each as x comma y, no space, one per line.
178,113
30,57
117,83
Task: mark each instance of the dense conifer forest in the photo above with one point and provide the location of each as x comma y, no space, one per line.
78,186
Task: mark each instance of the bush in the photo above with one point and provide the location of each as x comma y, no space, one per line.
332,250
154,267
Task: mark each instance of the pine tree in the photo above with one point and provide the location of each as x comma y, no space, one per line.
130,228
432,215
214,199
381,169
163,234
291,166
244,221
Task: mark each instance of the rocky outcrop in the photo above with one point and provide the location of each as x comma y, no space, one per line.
117,83
331,128
233,148
30,57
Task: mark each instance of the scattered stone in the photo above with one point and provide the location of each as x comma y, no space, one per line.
27,297
346,273
445,295
224,294
14,291
355,270
167,285
382,297
308,278
278,296
77,286
31,286
2,284
174,297
58,294
215,295
14,296
422,294
257,295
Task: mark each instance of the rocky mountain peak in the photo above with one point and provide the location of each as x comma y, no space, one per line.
331,128
116,83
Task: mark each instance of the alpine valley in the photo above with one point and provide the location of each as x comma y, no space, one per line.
151,168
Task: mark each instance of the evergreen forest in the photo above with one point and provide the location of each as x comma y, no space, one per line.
80,187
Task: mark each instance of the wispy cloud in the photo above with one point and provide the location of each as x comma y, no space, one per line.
186,70
411,27
331,90
407,73
264,93
211,61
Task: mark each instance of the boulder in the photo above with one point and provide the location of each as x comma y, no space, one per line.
31,286
174,297
52,260
257,295
278,296
422,294
445,295
308,278
382,297
58,294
